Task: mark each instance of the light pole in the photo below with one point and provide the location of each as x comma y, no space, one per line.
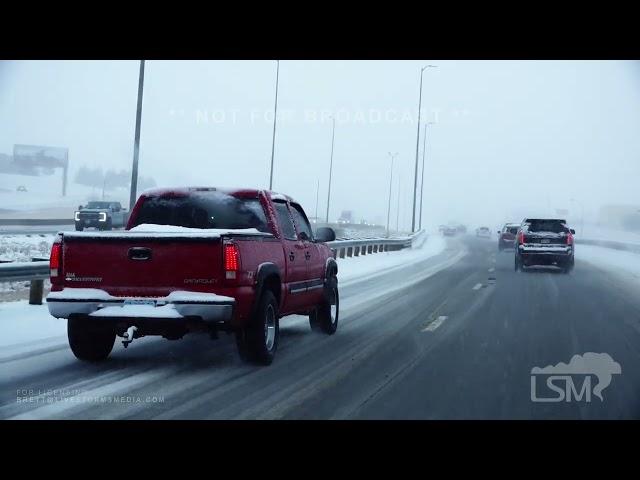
136,142
317,194
581,215
398,213
275,115
392,155
424,149
415,177
333,134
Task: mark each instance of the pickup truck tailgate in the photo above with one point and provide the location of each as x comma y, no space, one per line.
132,264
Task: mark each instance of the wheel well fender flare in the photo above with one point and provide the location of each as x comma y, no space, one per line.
268,274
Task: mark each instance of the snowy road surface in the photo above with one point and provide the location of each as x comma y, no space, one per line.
452,332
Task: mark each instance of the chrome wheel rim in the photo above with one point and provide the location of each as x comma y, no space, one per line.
334,306
270,327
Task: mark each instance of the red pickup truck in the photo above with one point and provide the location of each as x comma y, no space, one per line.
196,259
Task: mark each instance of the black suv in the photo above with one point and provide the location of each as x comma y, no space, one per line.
545,241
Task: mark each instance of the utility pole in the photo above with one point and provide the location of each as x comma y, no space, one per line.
392,155
136,144
275,114
333,133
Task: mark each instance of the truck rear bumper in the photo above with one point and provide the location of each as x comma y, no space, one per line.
207,307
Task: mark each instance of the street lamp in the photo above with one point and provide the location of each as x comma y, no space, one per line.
398,213
424,149
317,194
333,134
136,142
415,177
275,112
392,155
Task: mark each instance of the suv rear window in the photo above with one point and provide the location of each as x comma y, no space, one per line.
512,230
555,226
204,210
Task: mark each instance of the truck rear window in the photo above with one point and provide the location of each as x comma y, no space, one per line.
203,210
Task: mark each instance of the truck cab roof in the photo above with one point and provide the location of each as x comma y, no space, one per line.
236,192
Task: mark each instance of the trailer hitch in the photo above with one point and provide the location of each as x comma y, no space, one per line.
129,335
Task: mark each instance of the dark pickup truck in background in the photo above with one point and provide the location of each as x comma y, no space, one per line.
101,215
196,259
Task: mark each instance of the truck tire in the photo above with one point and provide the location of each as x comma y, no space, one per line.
79,228
325,317
258,341
89,342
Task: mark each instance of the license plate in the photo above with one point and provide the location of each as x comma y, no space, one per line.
546,240
140,302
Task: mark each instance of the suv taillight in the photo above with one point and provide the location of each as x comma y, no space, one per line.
569,238
55,260
231,260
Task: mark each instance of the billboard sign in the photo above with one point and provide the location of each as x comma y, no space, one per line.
39,160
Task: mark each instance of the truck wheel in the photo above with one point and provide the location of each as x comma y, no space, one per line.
258,341
108,226
79,228
89,342
325,317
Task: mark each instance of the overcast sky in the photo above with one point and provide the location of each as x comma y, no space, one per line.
509,137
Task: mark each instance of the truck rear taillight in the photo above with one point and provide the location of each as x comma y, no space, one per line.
231,260
521,238
55,260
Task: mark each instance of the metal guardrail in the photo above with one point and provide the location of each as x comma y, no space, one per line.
31,222
22,271
355,248
36,272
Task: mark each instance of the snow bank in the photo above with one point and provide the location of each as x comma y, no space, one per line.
351,268
625,263
21,323
22,248
595,232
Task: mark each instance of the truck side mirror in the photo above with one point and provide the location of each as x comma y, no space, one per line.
79,207
573,232
325,234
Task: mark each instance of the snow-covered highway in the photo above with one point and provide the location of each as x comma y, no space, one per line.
416,340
